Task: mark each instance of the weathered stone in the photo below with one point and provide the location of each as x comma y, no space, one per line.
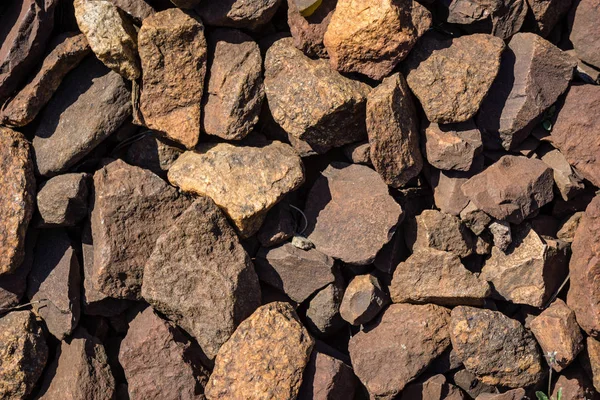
132,208
160,362
470,384
567,181
200,276
13,285
573,131
67,51
347,223
584,33
23,354
173,53
235,89
228,174
592,356
363,300
80,371
502,18
512,188
17,191
393,132
154,154
585,72
434,388
436,230
327,378
439,277
447,190
358,153
501,234
90,104
568,228
574,385
451,77
548,12
533,74
323,312
353,37
279,226
63,200
514,394
139,10
308,31
392,253
452,146
497,349
238,13
330,113
475,219
399,347
266,354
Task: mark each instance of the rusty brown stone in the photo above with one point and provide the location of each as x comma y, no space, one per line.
548,12
585,32
139,10
326,378
363,300
63,200
279,225
591,360
568,182
237,13
502,18
153,153
447,190
452,146
358,153
308,31
574,385
569,227
514,394
434,388
323,313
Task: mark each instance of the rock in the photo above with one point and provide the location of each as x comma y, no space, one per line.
302,243
173,53
567,181
111,36
67,52
235,90
502,234
556,330
353,37
227,174
63,200
512,188
592,359
572,131
575,385
392,253
27,26
399,347
451,77
327,378
331,114
132,208
323,312
393,133
363,300
470,384
447,192
475,219
584,33
584,295
569,227
17,191
533,74
501,18
279,226
154,154
548,12
358,153
436,230
514,394
439,277
266,354
81,371
352,225
13,285
453,146
434,388
90,104
23,353
139,10
308,31
238,13
497,349
200,276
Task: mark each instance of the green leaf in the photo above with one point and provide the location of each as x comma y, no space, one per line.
559,394
541,396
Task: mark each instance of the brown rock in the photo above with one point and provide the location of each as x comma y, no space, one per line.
17,191
436,230
227,174
447,190
327,378
548,12
347,223
279,226
23,354
452,146
238,13
515,394
353,37
90,104
308,31
452,77
568,228
393,133
330,113
399,347
323,313
501,234
502,18
533,74
160,363
512,188
433,276
13,285
574,385
63,200
358,153
154,154
568,182
139,10
434,388
363,300
475,219
266,354
573,131
200,277
497,349
173,52
132,208
470,384
584,33
592,356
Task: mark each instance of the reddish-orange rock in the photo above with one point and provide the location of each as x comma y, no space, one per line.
308,31
585,32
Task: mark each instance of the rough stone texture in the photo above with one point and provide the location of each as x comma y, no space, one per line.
575,385
452,146
363,300
80,371
353,37
68,50
323,312
346,223
569,183
393,132
200,276
173,52
308,31
279,226
475,219
584,267
501,234
153,153
139,10
497,349
533,74
358,153
23,354
584,33
297,273
132,208
265,355
593,359
386,358
440,231
228,174
573,131
434,388
160,363
235,89
502,18
568,228
447,192
327,378
512,188
238,13
330,114
13,285
548,12
17,191
470,384
63,200
111,36
452,77
433,276
90,104
514,394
